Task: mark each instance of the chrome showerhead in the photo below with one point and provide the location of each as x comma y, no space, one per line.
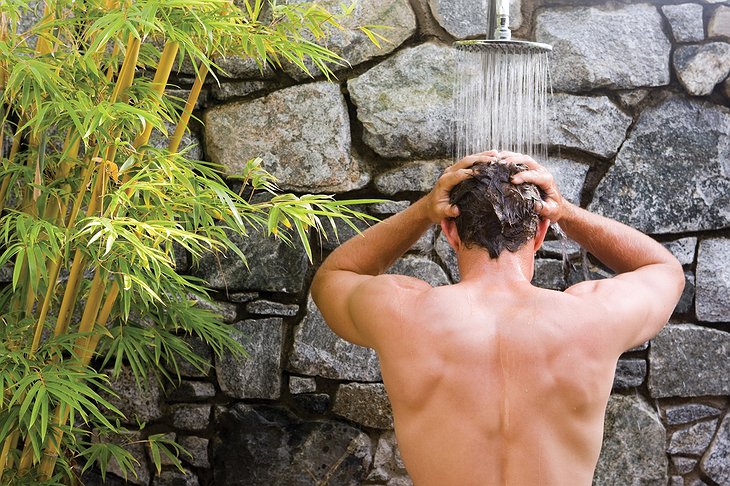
504,45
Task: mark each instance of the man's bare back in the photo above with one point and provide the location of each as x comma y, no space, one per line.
492,380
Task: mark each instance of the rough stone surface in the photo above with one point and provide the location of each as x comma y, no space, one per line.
448,257
364,403
226,310
190,391
591,124
630,373
676,157
590,46
344,231
273,266
301,133
189,144
633,445
700,67
191,417
713,280
259,374
388,468
266,445
469,18
569,176
353,45
236,67
313,403
689,361
683,465
176,478
682,414
688,294
405,103
424,244
719,26
320,352
268,307
236,89
298,384
143,403
418,176
198,449
686,21
549,274
715,462
390,207
693,440
420,267
632,98
683,249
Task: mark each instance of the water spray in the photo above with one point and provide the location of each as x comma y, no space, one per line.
501,91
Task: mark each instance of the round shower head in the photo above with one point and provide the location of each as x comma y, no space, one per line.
508,46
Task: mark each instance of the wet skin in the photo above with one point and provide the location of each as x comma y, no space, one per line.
492,380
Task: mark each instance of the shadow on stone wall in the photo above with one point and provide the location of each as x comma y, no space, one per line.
640,133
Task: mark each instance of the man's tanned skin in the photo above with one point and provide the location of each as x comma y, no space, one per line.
494,381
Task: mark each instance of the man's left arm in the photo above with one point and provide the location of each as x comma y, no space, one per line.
354,270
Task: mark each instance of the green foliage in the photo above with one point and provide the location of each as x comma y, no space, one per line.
92,215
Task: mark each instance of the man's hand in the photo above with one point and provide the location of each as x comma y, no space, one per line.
553,205
439,206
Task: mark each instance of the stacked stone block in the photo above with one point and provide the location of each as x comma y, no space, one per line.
640,132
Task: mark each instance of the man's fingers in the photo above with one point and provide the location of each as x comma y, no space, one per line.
453,177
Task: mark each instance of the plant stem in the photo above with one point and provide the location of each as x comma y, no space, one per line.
182,124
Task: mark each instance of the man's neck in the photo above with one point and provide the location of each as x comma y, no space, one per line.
476,267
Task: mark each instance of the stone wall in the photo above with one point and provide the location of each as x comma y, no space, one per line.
640,133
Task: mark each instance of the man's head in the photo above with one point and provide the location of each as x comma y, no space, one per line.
495,214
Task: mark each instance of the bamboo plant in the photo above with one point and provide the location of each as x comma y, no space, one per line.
91,214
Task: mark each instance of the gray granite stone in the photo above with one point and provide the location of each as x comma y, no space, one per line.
713,280
632,98
448,257
421,268
236,67
273,265
633,445
405,104
364,403
692,440
719,25
469,18
198,449
416,176
236,89
259,374
176,478
686,21
204,352
312,403
715,461
569,175
138,403
690,412
226,310
388,467
560,248
689,361
683,465
701,67
591,124
190,417
590,46
299,384
243,297
189,144
425,243
688,294
549,274
676,157
132,442
301,133
352,44
343,231
630,373
268,307
683,249
320,352
256,444
390,207
190,391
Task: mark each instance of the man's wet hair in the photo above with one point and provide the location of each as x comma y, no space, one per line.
495,214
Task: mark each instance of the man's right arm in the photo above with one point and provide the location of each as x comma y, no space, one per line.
639,300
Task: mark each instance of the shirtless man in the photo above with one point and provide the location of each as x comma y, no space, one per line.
494,381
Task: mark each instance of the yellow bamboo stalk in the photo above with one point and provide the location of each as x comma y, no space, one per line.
6,180
6,460
182,124
162,75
